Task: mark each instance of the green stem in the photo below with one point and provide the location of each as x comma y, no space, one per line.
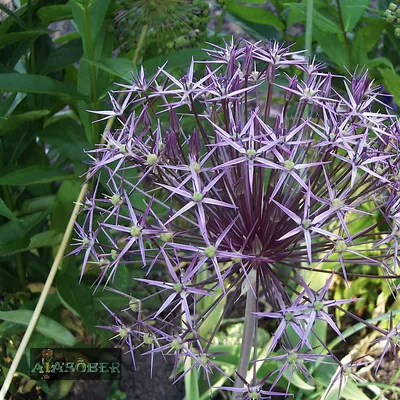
346,42
220,22
191,382
140,44
247,340
309,27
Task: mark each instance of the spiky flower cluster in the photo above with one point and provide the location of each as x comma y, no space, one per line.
393,17
240,182
167,24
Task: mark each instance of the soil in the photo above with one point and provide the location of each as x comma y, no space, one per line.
137,385
388,370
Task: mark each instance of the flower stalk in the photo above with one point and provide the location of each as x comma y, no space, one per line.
247,340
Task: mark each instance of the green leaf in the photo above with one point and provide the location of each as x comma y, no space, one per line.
32,175
5,211
392,83
13,37
14,16
19,228
29,83
68,137
67,38
256,15
45,325
380,61
256,31
55,13
332,47
35,204
66,195
319,21
76,297
14,121
13,246
365,40
89,18
8,22
121,67
63,56
42,239
368,36
352,11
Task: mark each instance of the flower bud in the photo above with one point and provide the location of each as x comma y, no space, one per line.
194,144
391,19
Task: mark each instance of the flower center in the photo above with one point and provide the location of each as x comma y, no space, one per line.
197,196
251,153
148,339
340,246
116,200
196,167
292,358
337,203
306,223
309,93
210,251
318,305
289,165
289,316
166,236
86,242
134,304
178,287
253,394
123,332
135,230
203,360
114,254
176,344
346,371
151,158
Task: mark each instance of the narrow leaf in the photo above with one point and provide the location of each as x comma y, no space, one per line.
352,11
33,175
257,15
59,12
120,67
45,325
5,211
29,83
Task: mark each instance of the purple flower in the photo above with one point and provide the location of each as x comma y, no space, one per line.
229,192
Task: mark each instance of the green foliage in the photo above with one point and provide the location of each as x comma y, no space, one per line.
45,325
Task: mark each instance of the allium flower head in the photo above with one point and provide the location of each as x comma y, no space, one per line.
168,23
240,174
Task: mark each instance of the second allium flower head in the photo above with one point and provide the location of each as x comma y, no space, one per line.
241,180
